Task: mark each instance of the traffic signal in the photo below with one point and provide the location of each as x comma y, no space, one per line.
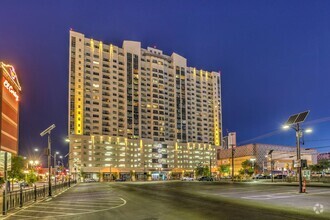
304,163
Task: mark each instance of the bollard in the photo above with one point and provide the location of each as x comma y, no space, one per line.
304,186
69,182
35,192
4,203
21,197
44,190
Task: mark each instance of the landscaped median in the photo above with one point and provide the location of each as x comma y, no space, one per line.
19,198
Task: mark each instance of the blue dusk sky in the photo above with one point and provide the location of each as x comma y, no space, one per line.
274,58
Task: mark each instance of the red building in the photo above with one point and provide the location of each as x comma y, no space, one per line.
9,110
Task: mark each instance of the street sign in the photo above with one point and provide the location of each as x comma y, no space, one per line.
306,174
232,139
297,163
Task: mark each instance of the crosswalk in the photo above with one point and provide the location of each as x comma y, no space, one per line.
80,200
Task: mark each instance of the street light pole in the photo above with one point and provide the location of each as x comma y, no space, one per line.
294,122
298,136
48,131
49,167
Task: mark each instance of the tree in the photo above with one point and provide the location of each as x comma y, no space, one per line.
320,166
206,171
201,170
31,177
325,164
17,167
224,169
247,168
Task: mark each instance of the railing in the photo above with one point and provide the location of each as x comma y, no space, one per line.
18,198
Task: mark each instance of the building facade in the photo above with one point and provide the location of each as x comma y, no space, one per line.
9,110
323,156
283,157
135,110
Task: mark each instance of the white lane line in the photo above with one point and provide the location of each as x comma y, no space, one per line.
48,212
88,203
270,197
82,205
47,207
93,202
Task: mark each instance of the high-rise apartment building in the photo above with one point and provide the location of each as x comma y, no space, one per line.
134,111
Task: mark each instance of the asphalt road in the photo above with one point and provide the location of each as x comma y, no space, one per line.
181,200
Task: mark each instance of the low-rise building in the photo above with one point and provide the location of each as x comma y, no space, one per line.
323,156
283,157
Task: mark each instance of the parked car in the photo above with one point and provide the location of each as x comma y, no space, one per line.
267,177
88,180
262,176
120,180
258,176
280,176
205,178
187,178
23,184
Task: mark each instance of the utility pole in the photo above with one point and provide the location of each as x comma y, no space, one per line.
210,167
144,171
270,153
271,166
232,163
110,172
232,143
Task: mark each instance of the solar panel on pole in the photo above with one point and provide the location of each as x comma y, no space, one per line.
292,119
297,118
302,117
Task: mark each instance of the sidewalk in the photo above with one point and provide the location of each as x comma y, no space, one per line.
308,184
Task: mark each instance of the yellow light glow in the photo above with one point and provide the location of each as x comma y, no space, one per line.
11,90
9,70
101,47
92,45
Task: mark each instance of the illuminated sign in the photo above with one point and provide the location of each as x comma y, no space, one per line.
10,89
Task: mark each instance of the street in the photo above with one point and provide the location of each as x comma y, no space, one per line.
181,200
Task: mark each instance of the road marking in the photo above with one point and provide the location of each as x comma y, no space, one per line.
52,206
57,214
267,197
315,193
23,216
28,210
90,203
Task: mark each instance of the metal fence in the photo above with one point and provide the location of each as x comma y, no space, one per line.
18,198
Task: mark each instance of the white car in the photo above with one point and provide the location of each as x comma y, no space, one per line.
187,178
